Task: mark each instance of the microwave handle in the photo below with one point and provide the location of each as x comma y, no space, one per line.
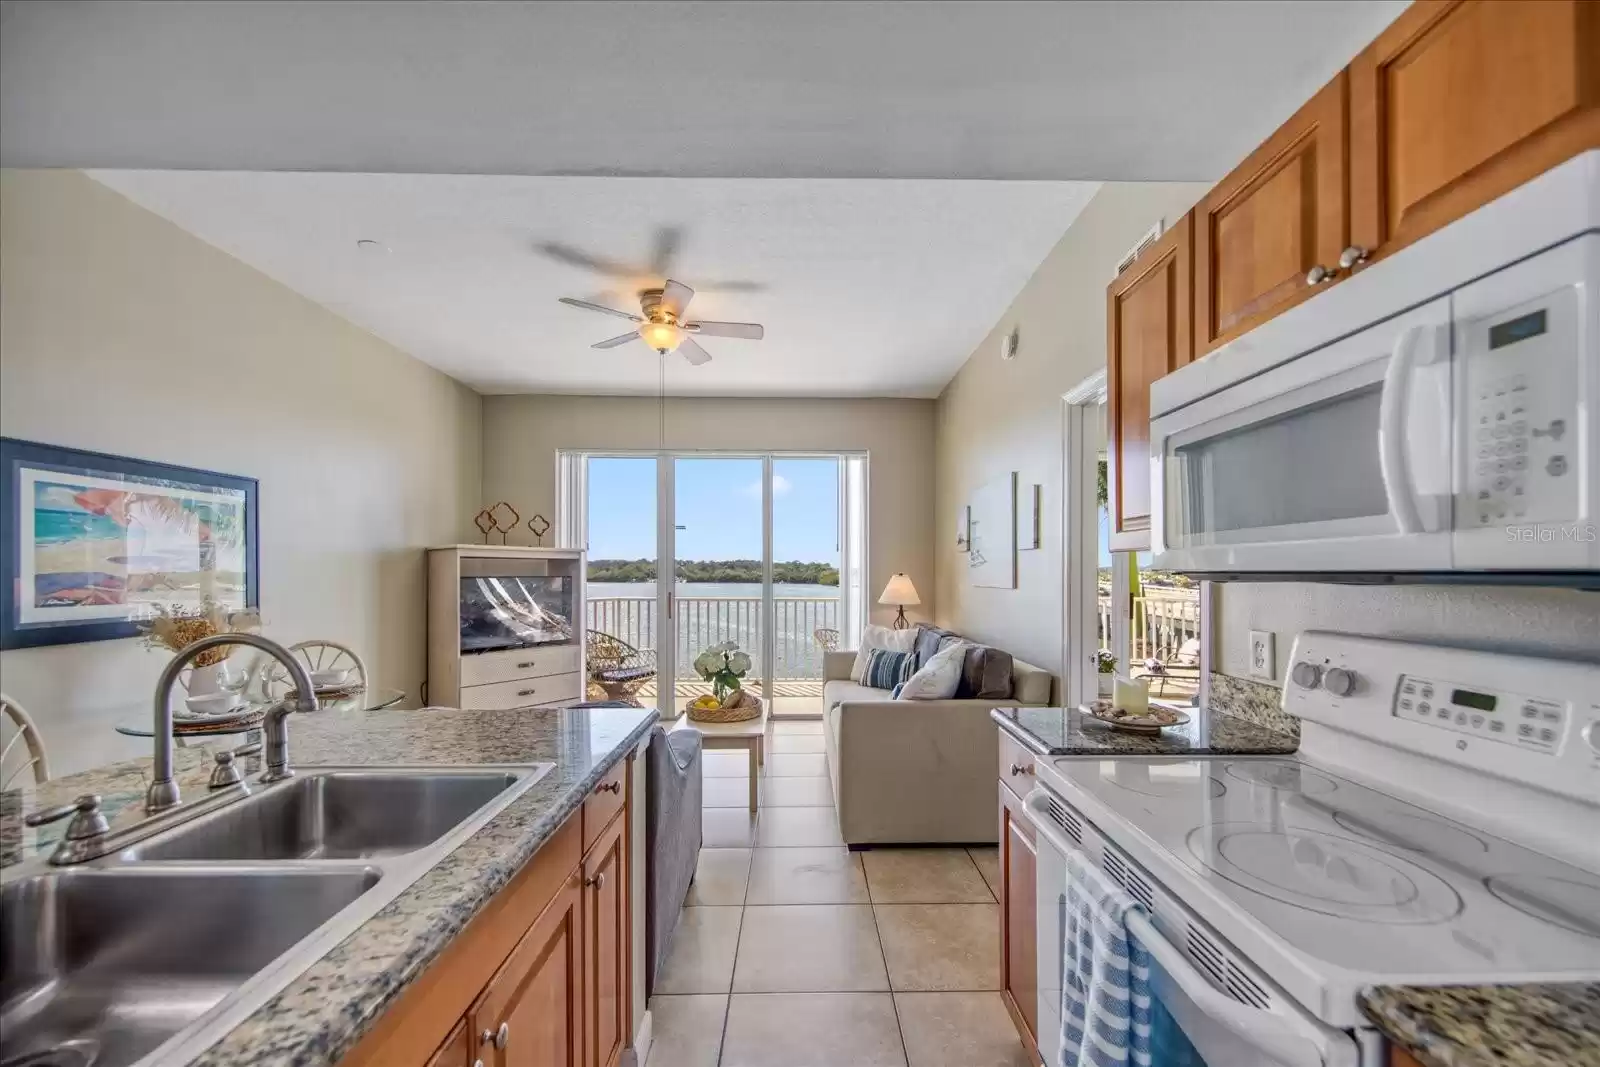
1258,1027
1397,484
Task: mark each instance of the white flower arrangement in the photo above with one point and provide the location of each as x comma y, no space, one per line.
724,666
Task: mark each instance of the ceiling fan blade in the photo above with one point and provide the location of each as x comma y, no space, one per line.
675,297
692,352
750,331
620,339
599,307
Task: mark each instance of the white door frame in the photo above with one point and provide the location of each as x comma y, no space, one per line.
1082,420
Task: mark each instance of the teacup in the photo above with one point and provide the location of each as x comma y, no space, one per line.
330,677
212,703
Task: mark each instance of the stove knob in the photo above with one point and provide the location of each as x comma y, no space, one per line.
1306,675
1340,682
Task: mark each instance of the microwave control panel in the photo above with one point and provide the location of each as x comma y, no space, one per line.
1522,432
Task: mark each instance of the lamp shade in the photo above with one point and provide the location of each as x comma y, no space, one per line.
900,591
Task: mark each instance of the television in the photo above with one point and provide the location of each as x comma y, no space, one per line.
505,611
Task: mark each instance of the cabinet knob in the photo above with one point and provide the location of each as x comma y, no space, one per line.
1020,768
1353,255
526,692
598,881
609,787
1319,274
502,1036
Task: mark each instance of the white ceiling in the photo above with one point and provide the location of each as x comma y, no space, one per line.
866,288
1155,90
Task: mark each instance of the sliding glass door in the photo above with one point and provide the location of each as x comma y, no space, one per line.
766,550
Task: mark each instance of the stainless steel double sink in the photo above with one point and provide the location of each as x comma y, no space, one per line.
151,954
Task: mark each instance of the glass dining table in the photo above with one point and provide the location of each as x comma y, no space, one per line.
371,698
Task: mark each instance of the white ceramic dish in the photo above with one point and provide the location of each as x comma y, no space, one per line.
1102,711
332,678
212,704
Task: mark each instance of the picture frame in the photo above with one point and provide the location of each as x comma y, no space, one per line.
93,542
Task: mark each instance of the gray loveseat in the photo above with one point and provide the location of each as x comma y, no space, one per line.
916,771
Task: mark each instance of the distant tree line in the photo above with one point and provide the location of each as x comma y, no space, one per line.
714,570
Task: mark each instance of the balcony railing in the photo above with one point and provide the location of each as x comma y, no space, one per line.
702,621
1160,626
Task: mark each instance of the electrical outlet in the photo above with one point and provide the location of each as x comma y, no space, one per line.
1263,655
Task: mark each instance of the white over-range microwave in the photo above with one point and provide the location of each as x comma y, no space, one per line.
1433,418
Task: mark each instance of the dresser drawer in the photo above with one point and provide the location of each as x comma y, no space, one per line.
522,692
485,668
604,801
1016,765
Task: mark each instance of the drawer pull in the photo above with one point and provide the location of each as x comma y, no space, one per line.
527,692
524,666
498,1038
609,787
598,881
1020,768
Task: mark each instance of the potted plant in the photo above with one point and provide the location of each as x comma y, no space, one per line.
175,627
724,666
1105,665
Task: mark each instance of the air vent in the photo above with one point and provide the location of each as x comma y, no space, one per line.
1225,974
1066,820
1144,242
1130,880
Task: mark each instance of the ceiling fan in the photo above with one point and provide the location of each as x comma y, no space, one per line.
662,326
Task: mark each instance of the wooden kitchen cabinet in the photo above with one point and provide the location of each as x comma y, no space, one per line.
1148,316
606,969
531,1014
456,1050
1458,102
542,976
1019,976
1399,1057
1270,234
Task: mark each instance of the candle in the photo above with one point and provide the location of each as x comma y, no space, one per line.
1131,696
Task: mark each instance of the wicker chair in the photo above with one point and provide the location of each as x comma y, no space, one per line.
1182,666
617,670
826,639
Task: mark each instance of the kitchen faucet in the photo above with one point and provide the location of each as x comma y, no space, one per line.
163,791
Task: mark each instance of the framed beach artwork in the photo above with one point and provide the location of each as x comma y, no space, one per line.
93,543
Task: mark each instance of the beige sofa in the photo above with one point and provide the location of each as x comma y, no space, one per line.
915,772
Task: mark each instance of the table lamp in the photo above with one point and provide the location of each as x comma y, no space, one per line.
900,593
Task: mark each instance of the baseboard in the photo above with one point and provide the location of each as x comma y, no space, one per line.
643,1039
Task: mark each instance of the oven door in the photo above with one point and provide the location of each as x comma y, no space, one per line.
1338,460
1195,1023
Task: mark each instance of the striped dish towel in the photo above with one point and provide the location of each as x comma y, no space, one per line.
1105,984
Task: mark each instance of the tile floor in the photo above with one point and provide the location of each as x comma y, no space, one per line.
795,952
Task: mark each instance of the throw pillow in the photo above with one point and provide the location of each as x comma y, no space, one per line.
985,674
938,679
886,669
879,637
929,640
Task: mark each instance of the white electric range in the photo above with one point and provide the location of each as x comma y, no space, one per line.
1439,825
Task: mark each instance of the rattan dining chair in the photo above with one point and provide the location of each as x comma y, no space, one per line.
27,734
318,654
826,639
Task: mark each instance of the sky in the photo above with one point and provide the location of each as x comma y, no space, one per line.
718,510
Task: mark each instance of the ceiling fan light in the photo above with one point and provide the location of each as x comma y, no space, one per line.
661,336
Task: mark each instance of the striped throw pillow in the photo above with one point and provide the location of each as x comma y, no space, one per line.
886,669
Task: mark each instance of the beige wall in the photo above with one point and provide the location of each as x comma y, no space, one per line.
121,333
521,435
998,416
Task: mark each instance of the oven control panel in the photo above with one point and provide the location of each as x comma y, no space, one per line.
1528,719
1533,722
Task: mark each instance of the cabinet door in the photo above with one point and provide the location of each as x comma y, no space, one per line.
456,1050
531,1013
1148,309
1019,953
1457,103
606,929
1261,230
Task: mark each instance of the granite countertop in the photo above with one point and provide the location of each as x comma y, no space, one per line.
1069,732
1555,1025
323,1012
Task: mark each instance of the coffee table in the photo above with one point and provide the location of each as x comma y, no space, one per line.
750,735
